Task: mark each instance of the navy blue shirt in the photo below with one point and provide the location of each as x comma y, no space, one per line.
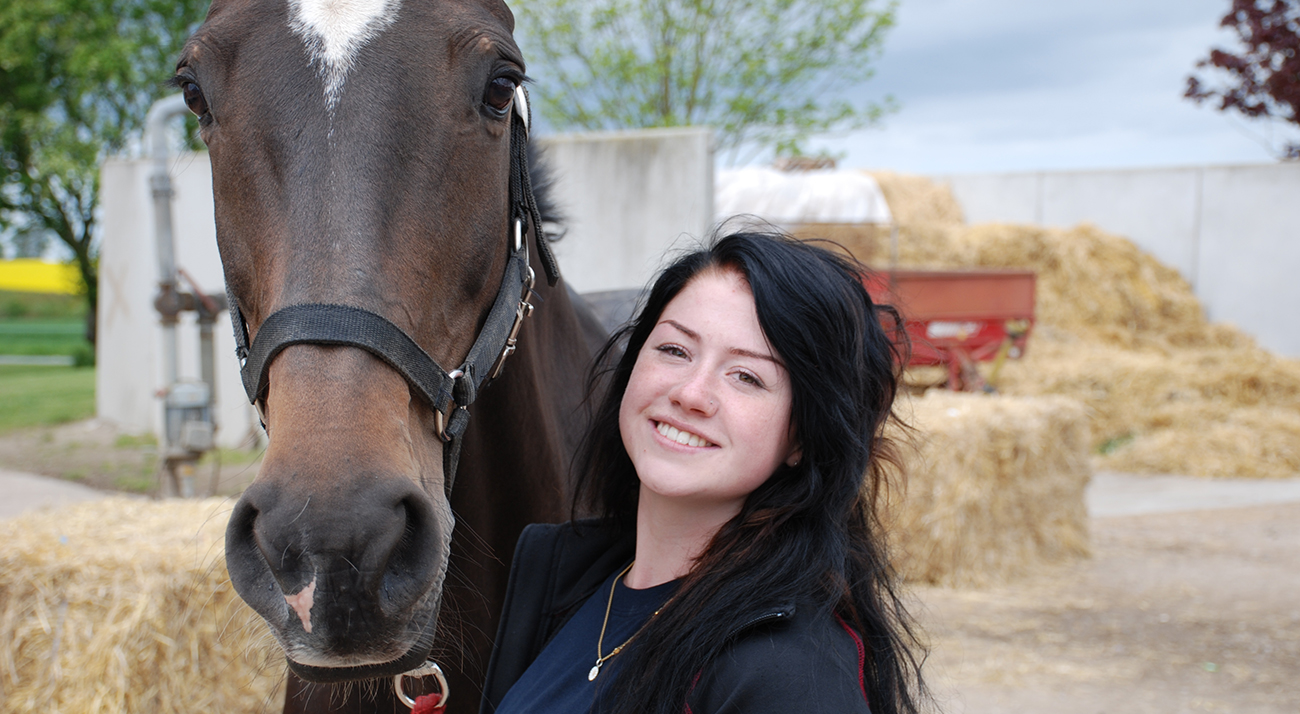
556,682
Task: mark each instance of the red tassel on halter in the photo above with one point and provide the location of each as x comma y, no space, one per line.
428,704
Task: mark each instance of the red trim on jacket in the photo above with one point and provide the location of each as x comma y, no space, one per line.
692,689
862,656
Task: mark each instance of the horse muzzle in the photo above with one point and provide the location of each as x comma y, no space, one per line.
349,583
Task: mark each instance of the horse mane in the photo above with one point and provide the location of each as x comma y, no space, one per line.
542,178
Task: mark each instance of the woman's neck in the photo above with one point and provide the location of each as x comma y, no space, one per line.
670,536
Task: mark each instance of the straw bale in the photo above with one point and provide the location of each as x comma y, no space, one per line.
915,199
995,488
1167,390
124,605
1204,412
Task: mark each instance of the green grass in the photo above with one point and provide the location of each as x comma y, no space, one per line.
41,306
135,441
42,337
39,396
142,483
1114,444
39,324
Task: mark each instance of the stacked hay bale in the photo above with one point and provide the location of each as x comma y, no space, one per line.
994,488
124,605
1167,391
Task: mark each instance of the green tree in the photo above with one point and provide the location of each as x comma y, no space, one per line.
766,74
77,78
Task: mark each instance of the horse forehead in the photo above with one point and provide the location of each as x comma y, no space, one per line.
335,31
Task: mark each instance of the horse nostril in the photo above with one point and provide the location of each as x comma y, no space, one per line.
415,554
255,582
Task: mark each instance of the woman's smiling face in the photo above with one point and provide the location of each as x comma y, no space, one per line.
706,415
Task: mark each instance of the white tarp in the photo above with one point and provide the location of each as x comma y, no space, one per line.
800,197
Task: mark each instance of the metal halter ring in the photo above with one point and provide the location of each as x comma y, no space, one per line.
440,419
425,670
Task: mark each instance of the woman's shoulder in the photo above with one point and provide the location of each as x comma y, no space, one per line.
558,564
800,658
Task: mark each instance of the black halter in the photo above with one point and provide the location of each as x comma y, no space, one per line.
448,393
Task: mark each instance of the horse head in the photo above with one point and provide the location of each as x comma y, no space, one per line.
362,155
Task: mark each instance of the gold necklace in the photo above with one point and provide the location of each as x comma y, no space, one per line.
595,670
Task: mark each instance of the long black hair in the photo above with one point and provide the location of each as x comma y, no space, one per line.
811,532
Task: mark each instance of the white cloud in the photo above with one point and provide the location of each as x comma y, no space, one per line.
1004,85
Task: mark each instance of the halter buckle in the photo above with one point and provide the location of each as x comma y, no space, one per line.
524,309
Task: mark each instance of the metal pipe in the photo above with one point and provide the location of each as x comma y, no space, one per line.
179,451
208,309
160,181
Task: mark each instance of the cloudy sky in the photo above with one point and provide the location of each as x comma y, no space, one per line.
1022,85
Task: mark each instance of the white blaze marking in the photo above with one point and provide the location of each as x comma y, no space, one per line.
335,31
302,602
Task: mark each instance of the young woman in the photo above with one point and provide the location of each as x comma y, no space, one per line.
737,563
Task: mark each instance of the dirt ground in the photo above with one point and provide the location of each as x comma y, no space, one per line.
1175,613
96,455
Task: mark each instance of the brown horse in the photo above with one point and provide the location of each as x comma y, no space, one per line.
370,209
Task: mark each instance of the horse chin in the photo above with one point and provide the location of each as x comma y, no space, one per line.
319,657
310,665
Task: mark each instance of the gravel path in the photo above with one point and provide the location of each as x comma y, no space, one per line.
21,492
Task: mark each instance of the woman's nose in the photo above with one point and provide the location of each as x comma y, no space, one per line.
696,392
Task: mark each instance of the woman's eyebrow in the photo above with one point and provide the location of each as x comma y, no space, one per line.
740,352
686,330
756,355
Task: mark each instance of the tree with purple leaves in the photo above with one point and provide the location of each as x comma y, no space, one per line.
1263,79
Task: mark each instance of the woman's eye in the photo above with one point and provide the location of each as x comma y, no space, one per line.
499,94
673,350
748,378
194,98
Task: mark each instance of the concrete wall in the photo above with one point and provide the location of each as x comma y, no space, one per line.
628,198
1232,231
129,351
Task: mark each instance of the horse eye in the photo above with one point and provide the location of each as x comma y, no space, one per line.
499,94
194,99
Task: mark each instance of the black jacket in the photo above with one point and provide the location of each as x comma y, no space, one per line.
791,659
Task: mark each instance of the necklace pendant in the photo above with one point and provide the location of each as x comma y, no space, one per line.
591,676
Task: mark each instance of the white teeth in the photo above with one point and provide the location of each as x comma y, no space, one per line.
684,438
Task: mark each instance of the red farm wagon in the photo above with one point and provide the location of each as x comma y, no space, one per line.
957,318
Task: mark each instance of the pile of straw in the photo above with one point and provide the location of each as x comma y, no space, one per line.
1167,391
865,242
994,489
124,605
